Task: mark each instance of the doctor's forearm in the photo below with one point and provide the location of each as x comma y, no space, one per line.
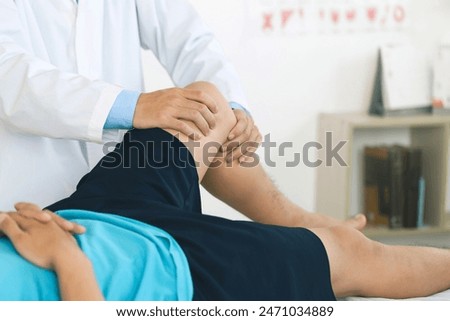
35,94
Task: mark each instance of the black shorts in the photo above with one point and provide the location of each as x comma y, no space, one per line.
151,177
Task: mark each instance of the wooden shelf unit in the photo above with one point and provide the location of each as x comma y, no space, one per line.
340,188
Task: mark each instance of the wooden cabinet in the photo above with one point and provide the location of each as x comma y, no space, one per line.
340,189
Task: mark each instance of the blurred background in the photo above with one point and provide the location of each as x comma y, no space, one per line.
300,58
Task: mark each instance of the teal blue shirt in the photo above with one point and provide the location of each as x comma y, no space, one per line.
131,260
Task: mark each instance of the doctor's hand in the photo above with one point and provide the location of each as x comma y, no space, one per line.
33,211
243,140
171,108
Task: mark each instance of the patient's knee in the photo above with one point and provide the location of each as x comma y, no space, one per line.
351,241
205,86
209,89
225,116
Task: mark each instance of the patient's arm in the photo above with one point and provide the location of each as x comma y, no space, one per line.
47,245
76,279
30,210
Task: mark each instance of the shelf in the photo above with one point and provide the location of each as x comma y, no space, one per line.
340,188
387,232
359,120
436,237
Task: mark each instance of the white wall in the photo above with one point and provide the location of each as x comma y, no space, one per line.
290,78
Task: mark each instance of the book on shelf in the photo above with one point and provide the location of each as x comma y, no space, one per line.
413,191
397,162
376,194
393,186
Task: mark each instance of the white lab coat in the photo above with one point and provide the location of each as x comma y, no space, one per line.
62,65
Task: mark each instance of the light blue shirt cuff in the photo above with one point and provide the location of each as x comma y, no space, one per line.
235,105
122,111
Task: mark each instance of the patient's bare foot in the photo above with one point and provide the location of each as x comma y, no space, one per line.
317,220
358,222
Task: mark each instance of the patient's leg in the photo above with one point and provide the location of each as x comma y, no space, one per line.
249,189
205,149
363,267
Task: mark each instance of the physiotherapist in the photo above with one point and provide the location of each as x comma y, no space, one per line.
71,76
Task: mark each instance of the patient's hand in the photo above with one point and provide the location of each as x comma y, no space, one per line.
47,245
30,210
43,243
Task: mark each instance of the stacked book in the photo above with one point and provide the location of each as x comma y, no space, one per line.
394,188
